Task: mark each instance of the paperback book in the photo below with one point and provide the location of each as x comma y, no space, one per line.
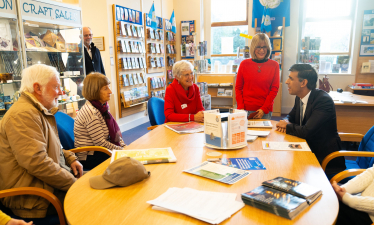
282,196
146,156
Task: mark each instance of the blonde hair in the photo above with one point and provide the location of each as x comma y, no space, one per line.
256,41
92,85
38,73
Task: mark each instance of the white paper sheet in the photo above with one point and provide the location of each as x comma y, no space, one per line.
288,146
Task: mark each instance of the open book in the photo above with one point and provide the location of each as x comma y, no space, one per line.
146,156
281,196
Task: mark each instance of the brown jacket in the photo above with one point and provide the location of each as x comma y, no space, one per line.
31,156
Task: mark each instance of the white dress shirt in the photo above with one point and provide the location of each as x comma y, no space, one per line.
305,102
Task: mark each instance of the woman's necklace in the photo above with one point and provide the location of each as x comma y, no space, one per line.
259,68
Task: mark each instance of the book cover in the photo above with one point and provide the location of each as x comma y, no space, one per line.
158,48
335,68
130,15
161,34
170,74
277,44
123,28
297,188
128,28
157,37
125,80
365,67
140,79
126,14
146,156
144,63
162,61
131,81
135,78
249,163
124,63
274,201
186,128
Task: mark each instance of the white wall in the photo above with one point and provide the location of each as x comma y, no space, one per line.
98,15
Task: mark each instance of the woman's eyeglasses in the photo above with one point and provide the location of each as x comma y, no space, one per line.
263,48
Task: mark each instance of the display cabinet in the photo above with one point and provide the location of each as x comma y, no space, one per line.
10,56
51,33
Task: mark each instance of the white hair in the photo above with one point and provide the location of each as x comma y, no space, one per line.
38,73
180,67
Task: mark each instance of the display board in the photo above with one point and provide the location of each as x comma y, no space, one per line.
155,49
130,52
188,39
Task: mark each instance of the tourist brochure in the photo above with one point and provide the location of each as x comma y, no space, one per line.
260,124
288,146
146,156
237,129
224,174
186,128
282,196
213,128
208,206
251,163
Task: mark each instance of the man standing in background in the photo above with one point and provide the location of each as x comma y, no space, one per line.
92,57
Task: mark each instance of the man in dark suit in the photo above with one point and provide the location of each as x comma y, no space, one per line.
313,116
92,57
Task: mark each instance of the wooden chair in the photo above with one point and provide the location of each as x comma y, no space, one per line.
365,153
39,192
346,173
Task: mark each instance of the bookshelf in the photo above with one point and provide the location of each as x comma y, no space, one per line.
277,106
220,102
170,56
155,49
130,60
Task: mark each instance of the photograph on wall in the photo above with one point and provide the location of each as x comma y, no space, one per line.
367,34
368,21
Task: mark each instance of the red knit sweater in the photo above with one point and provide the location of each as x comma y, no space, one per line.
176,98
257,90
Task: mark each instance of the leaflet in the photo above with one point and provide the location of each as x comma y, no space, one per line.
186,128
224,174
237,129
260,124
250,163
213,129
146,156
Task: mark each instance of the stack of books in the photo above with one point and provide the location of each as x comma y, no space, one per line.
283,197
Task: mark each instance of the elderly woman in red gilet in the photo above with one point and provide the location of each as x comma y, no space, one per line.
182,97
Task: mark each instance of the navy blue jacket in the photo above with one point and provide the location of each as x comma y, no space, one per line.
95,64
318,128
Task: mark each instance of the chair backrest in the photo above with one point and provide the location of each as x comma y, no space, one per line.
65,126
367,144
156,111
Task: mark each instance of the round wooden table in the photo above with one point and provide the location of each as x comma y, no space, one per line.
127,205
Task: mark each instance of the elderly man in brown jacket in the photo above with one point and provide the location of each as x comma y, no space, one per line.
30,149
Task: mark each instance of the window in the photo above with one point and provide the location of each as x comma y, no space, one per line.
227,22
326,34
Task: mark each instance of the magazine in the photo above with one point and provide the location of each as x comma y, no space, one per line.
146,156
186,128
249,163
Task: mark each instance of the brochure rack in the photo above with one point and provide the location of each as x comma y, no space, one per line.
156,86
170,51
130,59
155,49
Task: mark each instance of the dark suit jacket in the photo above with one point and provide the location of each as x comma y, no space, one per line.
95,64
318,128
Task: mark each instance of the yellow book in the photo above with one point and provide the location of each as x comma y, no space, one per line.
277,44
146,156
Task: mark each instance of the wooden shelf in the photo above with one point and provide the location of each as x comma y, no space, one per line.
221,96
222,86
135,104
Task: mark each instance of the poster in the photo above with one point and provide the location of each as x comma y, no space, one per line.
367,34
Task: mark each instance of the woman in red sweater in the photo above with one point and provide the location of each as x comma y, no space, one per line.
182,97
257,81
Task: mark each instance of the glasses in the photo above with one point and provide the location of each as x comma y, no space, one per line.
263,48
188,75
88,35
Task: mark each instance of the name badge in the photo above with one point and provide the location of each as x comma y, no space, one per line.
184,106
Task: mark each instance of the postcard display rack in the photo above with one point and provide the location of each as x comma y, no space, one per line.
49,36
130,57
155,49
156,86
170,51
277,42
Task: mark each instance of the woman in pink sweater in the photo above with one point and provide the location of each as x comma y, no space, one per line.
182,97
257,80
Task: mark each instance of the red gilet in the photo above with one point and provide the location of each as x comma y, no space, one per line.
180,103
256,90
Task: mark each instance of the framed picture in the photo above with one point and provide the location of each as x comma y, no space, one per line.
99,43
